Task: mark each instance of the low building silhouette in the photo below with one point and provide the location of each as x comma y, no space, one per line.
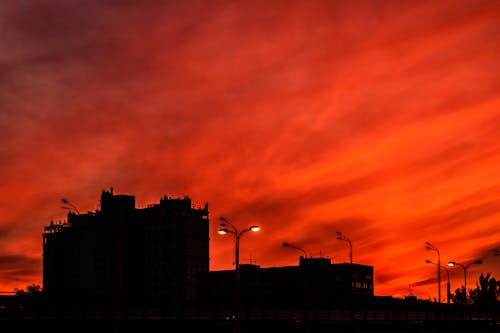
315,282
122,255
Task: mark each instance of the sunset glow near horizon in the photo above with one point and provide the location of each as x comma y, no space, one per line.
379,119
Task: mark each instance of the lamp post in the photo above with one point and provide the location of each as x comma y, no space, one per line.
227,228
307,283
341,236
448,284
295,247
71,206
465,267
431,247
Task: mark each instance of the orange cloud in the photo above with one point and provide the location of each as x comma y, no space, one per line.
379,120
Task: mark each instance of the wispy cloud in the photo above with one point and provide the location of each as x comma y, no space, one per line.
377,119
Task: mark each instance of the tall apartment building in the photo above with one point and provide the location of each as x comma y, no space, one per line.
124,255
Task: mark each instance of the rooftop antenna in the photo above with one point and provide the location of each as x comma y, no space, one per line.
252,260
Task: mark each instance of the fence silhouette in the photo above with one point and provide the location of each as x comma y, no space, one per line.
368,318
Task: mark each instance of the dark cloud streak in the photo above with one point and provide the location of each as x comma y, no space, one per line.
377,119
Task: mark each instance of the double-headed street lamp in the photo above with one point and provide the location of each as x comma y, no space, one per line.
429,246
448,284
227,228
341,236
465,267
232,230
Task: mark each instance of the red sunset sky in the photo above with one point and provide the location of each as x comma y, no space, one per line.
380,119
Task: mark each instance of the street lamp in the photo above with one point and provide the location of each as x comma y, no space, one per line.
71,206
431,247
448,284
227,228
341,236
465,267
307,287
295,247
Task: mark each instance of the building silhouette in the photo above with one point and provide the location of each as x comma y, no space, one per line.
315,282
123,255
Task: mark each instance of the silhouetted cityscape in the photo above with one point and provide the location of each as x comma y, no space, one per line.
124,268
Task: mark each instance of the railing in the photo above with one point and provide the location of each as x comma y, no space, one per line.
381,314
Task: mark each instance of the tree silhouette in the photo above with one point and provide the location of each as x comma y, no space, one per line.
33,290
487,292
460,296
485,295
31,296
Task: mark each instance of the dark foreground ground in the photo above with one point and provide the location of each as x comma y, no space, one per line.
397,318
148,326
